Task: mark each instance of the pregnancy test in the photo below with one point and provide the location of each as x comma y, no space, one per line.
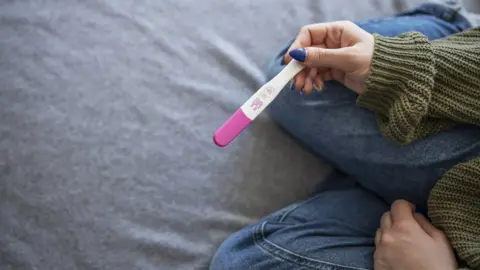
255,105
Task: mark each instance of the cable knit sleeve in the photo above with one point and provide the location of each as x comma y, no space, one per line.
454,207
419,87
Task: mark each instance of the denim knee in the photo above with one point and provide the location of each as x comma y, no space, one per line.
228,256
331,230
242,251
270,245
239,251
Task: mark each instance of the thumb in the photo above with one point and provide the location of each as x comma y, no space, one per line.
315,57
426,225
402,210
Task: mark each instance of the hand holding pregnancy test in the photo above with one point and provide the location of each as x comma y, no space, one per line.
347,59
255,105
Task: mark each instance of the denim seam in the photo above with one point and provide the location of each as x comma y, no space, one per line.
284,215
283,254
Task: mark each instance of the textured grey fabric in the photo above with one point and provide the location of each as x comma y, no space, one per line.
107,111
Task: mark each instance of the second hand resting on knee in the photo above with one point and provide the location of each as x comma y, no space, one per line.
406,240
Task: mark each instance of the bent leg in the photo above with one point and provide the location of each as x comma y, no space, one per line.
347,135
332,230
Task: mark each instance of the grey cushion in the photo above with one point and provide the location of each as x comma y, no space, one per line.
107,111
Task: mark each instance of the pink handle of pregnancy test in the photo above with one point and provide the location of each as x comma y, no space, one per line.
234,125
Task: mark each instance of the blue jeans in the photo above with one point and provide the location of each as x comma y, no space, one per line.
335,228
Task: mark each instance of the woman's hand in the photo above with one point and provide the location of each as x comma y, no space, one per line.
341,51
409,241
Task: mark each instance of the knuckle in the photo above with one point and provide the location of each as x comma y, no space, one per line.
387,239
321,53
398,202
385,219
317,55
347,23
304,29
402,205
403,225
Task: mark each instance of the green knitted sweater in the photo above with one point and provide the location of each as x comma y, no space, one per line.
419,87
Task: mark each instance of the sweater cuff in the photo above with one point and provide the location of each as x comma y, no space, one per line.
399,86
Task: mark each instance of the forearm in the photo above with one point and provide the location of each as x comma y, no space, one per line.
419,87
456,94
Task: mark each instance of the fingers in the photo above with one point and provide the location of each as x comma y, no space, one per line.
310,47
326,74
386,220
326,45
318,79
427,226
318,82
305,80
337,45
311,79
301,78
340,58
313,34
322,34
307,89
378,237
402,210
315,57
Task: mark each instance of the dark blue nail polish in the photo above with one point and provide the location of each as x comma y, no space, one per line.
293,85
299,54
301,92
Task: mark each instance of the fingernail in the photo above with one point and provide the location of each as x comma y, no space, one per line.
302,92
318,89
292,87
299,54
